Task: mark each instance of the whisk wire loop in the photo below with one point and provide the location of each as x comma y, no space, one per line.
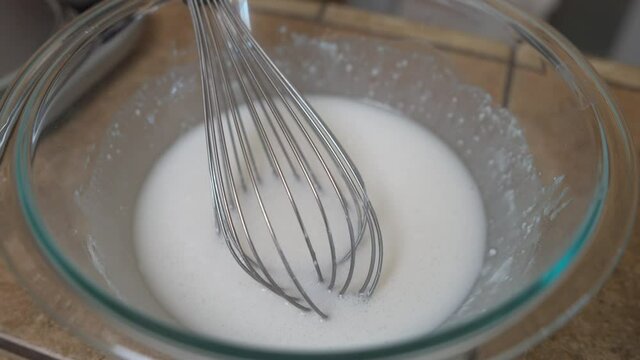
301,152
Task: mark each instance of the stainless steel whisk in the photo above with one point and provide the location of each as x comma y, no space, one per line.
278,175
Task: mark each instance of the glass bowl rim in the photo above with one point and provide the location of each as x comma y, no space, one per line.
129,316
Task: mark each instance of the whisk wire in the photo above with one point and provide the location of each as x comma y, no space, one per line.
212,129
303,163
300,157
236,71
246,147
233,118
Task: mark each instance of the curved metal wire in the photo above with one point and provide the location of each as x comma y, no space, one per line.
278,126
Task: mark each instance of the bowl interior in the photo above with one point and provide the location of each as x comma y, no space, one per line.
511,110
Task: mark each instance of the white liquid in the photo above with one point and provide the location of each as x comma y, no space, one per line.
429,208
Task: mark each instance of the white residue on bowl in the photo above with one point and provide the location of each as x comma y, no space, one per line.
97,262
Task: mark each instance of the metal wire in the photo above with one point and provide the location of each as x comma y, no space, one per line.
267,145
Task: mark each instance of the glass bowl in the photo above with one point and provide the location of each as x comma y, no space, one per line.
99,103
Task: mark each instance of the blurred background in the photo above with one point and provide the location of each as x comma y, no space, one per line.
608,29
604,28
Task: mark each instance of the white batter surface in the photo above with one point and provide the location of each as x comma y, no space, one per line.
429,208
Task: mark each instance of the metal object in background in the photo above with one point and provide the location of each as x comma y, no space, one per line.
101,56
24,26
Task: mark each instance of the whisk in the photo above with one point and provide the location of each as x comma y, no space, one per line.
289,202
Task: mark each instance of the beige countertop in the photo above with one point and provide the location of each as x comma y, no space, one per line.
607,328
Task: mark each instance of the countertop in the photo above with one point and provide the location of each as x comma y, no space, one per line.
607,328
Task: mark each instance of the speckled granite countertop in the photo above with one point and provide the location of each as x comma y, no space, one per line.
607,328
